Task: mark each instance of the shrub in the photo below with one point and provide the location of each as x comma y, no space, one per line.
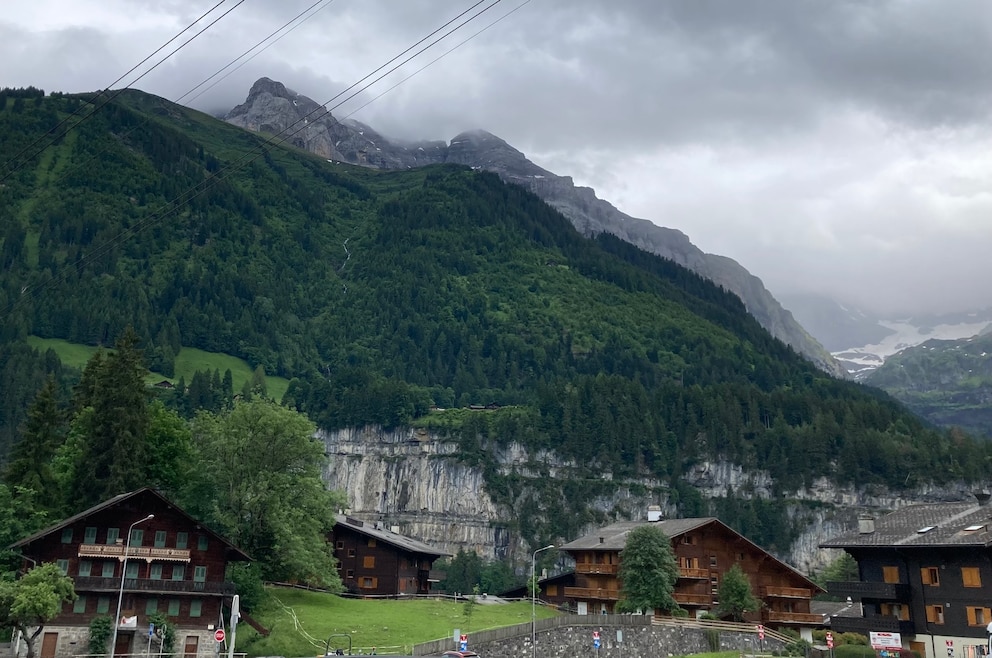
101,628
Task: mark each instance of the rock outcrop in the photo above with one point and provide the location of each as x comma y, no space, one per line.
272,108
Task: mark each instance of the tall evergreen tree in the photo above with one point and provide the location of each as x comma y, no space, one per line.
43,432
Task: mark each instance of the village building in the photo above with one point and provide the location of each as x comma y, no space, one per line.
924,577
376,561
705,549
170,567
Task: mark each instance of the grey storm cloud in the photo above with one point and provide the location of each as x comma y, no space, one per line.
838,147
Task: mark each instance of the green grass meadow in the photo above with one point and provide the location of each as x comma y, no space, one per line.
188,361
301,623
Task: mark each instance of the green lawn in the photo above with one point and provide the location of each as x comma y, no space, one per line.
188,361
301,623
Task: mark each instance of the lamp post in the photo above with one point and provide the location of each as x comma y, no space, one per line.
533,598
120,594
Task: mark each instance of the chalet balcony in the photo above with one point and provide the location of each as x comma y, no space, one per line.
591,593
684,598
696,574
877,623
804,618
152,586
785,592
147,553
858,590
604,569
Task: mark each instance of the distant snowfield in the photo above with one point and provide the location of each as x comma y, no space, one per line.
861,360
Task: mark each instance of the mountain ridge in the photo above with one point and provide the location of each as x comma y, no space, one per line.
271,107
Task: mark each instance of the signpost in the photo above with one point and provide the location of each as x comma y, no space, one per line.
761,638
463,642
950,648
830,643
595,639
219,635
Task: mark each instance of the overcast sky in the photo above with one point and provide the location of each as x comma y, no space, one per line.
836,146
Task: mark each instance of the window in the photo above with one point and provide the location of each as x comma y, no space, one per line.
80,605
552,590
351,573
971,576
132,569
202,543
173,607
340,545
687,539
151,606
155,572
85,566
368,583
63,566
979,616
137,536
182,539
896,610
113,534
351,552
108,568
160,539
103,605
890,574
89,536
178,571
199,574
66,535
930,576
371,542
713,561
368,562
194,607
935,614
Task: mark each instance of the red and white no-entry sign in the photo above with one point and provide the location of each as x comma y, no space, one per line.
219,635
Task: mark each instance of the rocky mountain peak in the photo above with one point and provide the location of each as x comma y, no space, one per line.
272,108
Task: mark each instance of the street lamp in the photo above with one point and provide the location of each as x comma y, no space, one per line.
120,594
533,598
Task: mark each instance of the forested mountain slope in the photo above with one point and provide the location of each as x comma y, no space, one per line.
381,292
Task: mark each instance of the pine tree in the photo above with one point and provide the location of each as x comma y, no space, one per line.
43,431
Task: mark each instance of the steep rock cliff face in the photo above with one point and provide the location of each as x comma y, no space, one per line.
413,479
272,108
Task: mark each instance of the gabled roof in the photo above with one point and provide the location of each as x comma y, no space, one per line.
117,500
388,537
964,524
614,538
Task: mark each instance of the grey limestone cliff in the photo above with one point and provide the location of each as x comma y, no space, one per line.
272,108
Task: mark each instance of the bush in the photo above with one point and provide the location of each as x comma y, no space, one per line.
101,628
712,639
853,651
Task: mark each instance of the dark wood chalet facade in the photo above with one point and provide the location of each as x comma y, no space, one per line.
174,568
375,561
705,549
924,572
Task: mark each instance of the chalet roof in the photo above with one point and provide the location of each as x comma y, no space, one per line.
393,539
928,525
614,538
117,500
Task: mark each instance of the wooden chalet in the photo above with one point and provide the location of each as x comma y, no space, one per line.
174,567
924,573
705,548
374,560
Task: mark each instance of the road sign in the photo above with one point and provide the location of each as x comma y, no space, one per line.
950,648
595,639
463,642
151,630
830,640
761,632
219,635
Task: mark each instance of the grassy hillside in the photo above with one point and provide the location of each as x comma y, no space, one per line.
188,361
301,623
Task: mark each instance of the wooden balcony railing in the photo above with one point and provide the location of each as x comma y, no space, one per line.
140,552
698,574
606,569
786,592
792,617
590,593
684,598
860,590
96,584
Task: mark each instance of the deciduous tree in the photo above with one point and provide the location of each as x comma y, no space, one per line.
648,572
736,597
29,603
